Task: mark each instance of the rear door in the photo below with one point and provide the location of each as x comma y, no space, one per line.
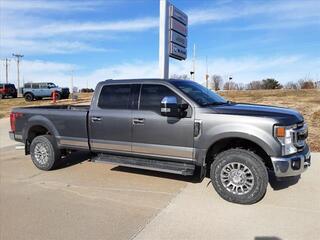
110,122
160,136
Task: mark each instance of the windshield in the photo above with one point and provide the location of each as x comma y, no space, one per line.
203,96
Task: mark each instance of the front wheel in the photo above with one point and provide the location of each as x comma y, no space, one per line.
44,152
239,176
28,97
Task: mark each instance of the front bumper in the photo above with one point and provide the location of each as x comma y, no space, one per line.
292,165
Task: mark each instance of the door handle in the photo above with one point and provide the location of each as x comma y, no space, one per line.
138,121
96,119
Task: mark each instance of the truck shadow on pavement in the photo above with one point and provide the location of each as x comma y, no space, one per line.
190,179
81,156
73,159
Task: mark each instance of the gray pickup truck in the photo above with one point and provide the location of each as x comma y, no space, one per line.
175,126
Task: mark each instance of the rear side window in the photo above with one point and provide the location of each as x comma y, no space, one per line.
27,85
115,97
152,94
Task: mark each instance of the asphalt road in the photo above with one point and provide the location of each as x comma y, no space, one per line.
85,200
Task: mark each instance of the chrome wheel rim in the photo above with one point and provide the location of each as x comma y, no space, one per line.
41,153
237,178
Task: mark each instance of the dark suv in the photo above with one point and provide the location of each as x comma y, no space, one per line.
7,90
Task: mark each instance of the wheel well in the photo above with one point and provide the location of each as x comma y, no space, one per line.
28,93
33,132
228,143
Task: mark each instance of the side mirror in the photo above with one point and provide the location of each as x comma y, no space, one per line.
169,107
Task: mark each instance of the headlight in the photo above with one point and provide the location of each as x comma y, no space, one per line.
285,136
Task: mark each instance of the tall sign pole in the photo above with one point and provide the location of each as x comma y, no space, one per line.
18,57
164,39
173,32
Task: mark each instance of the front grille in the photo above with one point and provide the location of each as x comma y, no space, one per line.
300,135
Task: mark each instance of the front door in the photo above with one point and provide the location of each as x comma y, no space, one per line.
111,120
157,135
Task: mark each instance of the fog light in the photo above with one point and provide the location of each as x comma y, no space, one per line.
296,163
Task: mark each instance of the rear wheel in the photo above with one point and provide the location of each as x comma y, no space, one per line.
239,176
28,97
58,95
44,152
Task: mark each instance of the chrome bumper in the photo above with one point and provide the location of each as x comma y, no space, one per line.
292,165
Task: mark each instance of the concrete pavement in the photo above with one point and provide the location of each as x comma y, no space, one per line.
84,200
286,212
4,129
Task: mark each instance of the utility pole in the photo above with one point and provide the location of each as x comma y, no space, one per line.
72,84
207,75
194,62
18,58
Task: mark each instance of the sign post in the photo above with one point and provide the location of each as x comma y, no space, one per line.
173,33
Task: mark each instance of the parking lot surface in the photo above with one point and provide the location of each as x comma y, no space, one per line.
85,200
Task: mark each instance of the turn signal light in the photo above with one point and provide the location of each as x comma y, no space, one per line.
280,132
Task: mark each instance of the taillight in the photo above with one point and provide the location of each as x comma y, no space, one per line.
13,118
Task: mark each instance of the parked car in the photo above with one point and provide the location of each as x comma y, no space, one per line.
37,91
8,90
174,126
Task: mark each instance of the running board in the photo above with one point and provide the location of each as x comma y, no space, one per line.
148,164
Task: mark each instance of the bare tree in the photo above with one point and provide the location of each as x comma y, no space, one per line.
254,85
306,83
230,85
292,85
216,82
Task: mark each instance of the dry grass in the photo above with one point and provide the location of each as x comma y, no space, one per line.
305,101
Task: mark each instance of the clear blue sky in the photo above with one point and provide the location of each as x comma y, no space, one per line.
249,40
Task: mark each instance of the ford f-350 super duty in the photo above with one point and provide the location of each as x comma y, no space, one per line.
175,126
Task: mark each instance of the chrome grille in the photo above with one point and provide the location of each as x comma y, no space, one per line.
300,135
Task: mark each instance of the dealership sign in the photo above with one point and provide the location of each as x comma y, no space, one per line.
178,27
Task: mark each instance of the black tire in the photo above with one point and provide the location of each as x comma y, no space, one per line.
45,153
28,97
250,185
58,96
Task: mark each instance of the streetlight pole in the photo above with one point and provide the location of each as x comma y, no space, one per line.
18,58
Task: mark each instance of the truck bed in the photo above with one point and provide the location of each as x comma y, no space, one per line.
68,123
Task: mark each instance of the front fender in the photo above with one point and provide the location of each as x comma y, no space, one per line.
244,131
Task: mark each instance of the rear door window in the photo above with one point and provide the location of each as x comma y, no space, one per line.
115,97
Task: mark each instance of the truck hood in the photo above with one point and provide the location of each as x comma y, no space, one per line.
283,116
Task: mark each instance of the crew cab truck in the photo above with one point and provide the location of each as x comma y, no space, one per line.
175,126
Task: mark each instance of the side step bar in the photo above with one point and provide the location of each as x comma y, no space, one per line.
149,164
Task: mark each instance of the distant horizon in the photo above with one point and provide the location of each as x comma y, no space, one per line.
98,40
